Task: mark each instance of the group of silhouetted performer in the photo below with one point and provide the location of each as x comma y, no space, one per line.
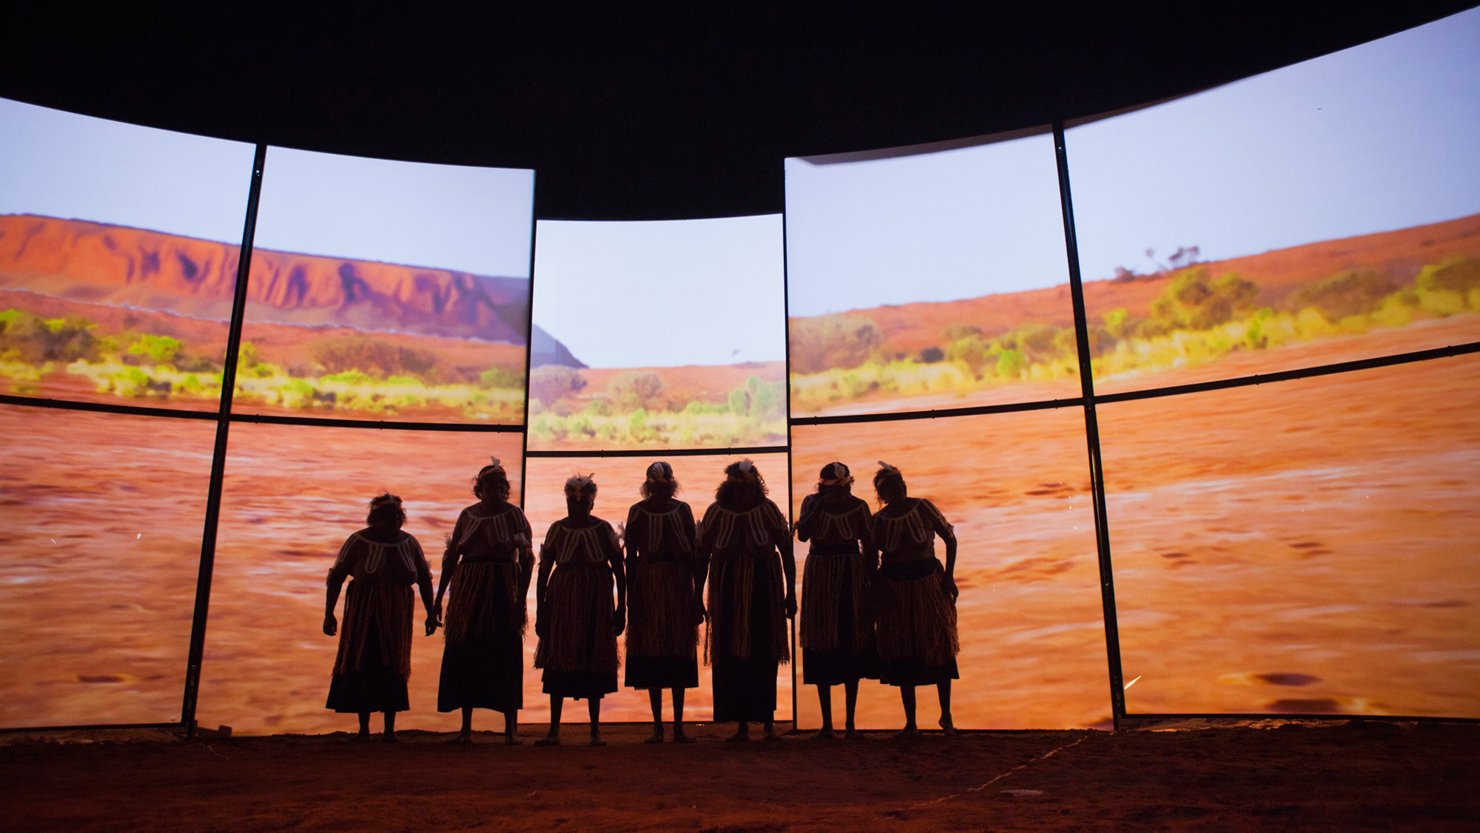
877,602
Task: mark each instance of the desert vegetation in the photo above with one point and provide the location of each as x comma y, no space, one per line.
1198,317
354,374
640,408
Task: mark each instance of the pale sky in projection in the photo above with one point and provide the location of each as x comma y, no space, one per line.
77,167
444,216
1381,136
662,294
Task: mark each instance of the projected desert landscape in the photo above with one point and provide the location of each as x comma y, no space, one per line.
103,312
1185,321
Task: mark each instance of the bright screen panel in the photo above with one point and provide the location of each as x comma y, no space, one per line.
1320,213
103,516
386,289
1301,547
658,335
292,495
618,481
118,258
928,277
1030,620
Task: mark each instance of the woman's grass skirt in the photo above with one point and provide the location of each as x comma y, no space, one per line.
483,659
836,631
662,639
917,625
374,657
748,637
579,651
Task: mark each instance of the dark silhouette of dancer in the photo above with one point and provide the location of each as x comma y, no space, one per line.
489,563
577,626
837,626
916,597
742,533
664,609
375,645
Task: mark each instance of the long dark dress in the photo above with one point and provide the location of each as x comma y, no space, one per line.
662,637
747,638
483,660
917,618
837,628
374,657
579,650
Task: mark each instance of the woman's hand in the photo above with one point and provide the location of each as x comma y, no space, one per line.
791,605
434,620
949,583
699,612
619,619
331,625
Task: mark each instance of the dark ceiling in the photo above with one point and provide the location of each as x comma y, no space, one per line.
639,111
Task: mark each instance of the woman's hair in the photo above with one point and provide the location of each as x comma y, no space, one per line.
580,487
385,510
742,486
889,483
492,481
835,476
659,483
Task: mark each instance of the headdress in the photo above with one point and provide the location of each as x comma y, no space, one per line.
494,466
580,484
746,469
885,468
660,472
836,474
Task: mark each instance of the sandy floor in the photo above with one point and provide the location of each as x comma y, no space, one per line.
1332,778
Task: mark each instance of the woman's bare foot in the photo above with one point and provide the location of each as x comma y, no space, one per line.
907,733
360,737
825,733
771,733
551,739
852,734
462,739
680,737
596,739
389,737
741,735
657,735
512,740
947,726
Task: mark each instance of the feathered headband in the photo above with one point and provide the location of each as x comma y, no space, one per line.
838,475
660,472
494,466
580,484
885,468
746,470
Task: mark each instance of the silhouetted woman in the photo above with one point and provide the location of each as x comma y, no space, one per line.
837,629
375,644
916,597
577,626
664,611
489,563
742,534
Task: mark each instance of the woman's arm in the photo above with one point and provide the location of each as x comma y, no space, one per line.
335,582
807,519
947,533
788,564
541,609
424,584
450,557
619,575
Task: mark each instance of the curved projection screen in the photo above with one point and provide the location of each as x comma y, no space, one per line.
1320,213
1304,547
658,335
388,289
118,258
929,277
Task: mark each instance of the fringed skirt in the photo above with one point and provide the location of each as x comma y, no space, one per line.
747,637
374,657
836,632
917,625
579,650
483,661
662,639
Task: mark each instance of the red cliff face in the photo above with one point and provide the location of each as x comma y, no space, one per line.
121,266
